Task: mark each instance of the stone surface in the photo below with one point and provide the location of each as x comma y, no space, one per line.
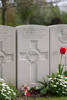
7,54
58,39
33,53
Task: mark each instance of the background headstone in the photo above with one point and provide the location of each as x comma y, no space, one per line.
33,53
7,54
58,39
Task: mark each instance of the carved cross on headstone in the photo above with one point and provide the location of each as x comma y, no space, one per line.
4,57
33,55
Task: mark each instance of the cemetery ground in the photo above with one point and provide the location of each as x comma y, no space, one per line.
55,98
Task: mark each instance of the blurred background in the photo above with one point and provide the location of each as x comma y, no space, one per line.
41,12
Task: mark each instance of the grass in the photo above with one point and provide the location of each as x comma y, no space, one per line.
62,98
55,98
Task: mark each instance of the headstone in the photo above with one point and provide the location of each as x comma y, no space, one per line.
33,53
58,39
7,54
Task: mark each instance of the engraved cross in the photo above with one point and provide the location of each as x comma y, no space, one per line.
33,56
4,57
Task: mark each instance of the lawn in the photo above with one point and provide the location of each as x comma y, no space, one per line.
56,98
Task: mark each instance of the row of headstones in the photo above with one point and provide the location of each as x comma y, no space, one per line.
30,52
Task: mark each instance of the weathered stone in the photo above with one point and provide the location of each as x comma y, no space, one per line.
33,53
58,39
7,54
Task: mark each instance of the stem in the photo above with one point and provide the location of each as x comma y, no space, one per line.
61,59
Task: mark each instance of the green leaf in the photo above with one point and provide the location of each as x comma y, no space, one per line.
43,91
60,69
53,75
42,83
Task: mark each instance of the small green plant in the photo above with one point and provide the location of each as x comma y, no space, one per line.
60,67
7,92
43,87
58,85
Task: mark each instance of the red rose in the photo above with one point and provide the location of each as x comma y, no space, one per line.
62,50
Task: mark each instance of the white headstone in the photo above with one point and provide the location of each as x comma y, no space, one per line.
33,53
58,39
7,54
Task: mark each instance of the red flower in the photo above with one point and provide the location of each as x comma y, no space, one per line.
27,94
62,50
66,76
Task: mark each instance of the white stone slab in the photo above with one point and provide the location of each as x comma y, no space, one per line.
58,39
7,54
33,53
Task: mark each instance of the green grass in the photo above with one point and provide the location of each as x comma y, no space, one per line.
55,98
62,98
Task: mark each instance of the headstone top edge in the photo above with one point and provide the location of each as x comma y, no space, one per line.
57,25
5,26
22,26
